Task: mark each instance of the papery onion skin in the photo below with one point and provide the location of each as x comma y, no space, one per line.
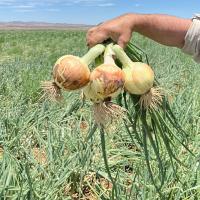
106,80
112,77
71,73
139,78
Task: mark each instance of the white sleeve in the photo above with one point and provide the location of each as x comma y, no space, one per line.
192,39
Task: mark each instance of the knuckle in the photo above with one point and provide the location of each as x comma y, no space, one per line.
102,28
91,31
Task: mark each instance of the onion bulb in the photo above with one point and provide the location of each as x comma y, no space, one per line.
106,82
139,80
71,73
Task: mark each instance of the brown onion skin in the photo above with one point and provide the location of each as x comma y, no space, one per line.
71,73
112,78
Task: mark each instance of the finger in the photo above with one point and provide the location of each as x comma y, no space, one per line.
123,40
121,43
91,31
89,35
96,38
114,37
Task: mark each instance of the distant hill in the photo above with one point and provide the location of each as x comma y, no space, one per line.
40,25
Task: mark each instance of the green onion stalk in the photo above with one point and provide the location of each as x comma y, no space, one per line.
156,125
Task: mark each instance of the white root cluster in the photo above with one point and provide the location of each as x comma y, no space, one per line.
51,91
152,99
107,112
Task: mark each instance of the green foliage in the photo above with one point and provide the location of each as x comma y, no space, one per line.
53,151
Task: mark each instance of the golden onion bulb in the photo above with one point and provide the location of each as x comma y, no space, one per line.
139,78
71,73
106,80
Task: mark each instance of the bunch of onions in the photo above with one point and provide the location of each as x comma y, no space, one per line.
139,80
71,73
106,82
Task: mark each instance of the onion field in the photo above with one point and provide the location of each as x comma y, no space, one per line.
55,151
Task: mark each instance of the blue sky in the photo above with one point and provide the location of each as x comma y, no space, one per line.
90,11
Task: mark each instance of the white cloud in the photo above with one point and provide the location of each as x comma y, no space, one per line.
7,2
52,10
24,10
50,4
87,1
100,3
137,5
23,6
106,4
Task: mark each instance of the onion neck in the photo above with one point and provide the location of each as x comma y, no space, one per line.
108,55
121,55
93,53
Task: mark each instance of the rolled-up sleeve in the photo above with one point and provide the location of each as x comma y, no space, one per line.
192,39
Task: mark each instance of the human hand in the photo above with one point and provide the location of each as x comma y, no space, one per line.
118,29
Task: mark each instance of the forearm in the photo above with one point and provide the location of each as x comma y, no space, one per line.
167,30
